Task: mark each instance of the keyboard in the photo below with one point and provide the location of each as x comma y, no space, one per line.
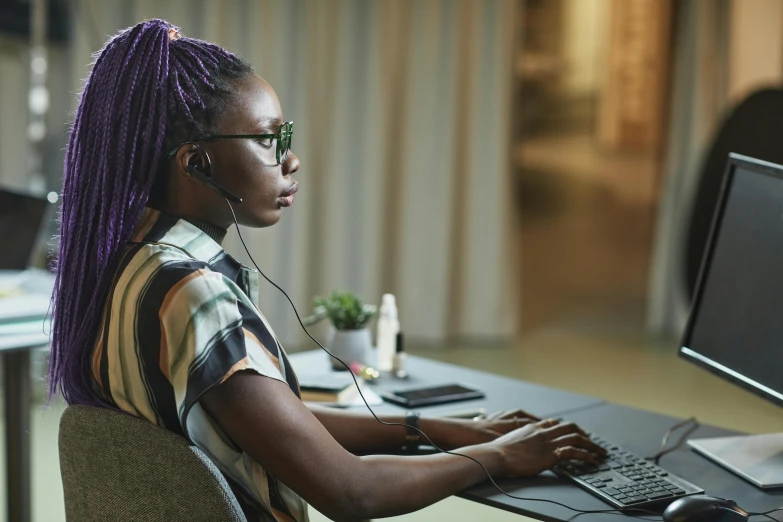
626,481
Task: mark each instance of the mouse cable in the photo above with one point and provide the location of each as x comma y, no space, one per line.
492,480
767,514
664,450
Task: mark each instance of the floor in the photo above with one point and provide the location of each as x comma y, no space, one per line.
586,226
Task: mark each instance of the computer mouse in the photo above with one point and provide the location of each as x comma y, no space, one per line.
703,508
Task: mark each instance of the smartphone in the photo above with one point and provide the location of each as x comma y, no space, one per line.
432,395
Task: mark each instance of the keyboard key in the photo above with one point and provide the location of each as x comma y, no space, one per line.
634,500
677,491
656,496
611,491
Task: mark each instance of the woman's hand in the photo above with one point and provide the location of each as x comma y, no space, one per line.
541,445
458,433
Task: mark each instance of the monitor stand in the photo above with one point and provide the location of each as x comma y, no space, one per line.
756,458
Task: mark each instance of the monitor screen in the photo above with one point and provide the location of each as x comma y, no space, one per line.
736,324
20,221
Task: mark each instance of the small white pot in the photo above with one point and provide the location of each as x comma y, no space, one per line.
350,346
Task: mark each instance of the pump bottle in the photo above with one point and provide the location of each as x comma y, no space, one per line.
388,327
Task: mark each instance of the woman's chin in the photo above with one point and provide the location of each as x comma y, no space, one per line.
266,218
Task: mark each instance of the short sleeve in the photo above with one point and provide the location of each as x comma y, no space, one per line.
208,331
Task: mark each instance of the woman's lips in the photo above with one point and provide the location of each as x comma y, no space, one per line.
287,199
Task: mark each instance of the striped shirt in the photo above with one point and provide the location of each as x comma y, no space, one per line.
182,316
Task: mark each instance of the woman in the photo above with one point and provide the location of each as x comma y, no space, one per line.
153,318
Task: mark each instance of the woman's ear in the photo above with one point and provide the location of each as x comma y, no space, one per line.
191,155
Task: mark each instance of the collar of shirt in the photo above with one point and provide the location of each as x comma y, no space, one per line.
157,227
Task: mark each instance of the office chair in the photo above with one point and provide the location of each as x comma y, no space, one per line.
754,128
119,468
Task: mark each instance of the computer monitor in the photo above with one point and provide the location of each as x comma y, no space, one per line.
21,217
735,328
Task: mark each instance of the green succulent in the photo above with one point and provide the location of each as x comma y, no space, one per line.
344,309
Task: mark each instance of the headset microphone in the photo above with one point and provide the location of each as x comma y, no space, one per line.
205,175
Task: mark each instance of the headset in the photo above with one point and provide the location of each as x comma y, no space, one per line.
205,176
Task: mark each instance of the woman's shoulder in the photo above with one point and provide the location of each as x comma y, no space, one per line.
161,268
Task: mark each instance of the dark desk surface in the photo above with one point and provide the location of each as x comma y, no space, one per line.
502,393
636,430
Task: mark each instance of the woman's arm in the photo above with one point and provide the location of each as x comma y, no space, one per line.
360,433
277,430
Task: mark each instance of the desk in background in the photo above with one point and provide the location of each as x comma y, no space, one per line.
636,430
21,329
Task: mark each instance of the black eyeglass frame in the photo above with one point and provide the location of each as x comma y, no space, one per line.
283,136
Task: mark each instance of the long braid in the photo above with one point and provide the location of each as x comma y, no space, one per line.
146,92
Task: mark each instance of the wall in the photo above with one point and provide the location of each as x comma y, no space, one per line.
756,49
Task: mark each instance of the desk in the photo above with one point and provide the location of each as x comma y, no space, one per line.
19,334
637,430
502,393
15,357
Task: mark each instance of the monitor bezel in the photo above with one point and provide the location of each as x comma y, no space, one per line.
735,161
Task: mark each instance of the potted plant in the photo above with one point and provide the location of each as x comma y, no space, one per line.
349,338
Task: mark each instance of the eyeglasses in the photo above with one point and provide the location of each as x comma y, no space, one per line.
283,138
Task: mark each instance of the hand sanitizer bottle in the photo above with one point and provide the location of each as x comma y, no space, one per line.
388,327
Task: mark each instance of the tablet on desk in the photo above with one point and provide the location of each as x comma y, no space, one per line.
432,395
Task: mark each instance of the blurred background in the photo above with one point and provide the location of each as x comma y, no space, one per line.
530,178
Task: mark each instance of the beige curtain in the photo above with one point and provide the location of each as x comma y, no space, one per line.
699,100
13,88
14,85
401,111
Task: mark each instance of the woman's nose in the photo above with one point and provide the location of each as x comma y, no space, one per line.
291,164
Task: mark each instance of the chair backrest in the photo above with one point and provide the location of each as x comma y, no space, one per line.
119,468
754,128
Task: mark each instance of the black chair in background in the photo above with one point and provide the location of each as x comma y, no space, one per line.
754,128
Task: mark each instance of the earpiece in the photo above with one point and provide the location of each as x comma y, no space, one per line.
203,173
194,164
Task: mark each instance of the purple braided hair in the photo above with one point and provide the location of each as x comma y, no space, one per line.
148,90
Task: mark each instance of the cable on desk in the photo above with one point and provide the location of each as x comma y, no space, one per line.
664,450
767,514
